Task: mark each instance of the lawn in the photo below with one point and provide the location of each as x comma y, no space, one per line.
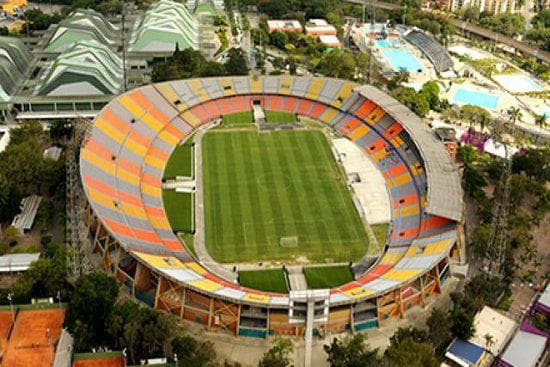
179,208
271,280
180,162
279,117
262,187
327,276
238,118
381,233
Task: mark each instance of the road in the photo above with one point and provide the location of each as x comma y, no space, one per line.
477,30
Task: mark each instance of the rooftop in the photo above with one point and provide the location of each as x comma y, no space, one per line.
464,353
85,68
524,350
82,25
165,24
490,322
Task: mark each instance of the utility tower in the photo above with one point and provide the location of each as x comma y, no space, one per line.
498,240
77,231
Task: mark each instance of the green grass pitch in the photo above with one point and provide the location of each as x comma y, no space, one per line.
269,280
180,162
279,117
327,276
179,208
238,118
260,187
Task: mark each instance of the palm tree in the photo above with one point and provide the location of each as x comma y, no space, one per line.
514,113
540,120
488,340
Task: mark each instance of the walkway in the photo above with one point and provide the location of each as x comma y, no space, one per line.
199,241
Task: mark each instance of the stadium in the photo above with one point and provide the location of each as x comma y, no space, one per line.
126,151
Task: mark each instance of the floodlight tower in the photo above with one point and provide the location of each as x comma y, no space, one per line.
498,240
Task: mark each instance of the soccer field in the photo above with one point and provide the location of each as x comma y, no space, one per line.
261,187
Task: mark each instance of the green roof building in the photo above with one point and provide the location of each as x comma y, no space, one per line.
87,68
165,24
15,57
82,25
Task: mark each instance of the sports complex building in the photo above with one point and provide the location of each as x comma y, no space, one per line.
123,157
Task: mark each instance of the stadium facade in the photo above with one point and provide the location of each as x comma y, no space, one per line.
122,162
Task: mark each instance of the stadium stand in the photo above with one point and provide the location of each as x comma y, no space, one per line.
85,68
437,54
122,163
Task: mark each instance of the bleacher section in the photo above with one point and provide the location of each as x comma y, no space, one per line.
437,54
124,156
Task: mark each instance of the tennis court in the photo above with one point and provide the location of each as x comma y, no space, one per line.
33,339
99,360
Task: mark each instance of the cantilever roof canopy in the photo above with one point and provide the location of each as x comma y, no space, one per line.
444,197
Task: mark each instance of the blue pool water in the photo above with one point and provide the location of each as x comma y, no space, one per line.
402,59
385,43
476,98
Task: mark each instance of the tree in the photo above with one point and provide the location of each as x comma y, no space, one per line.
410,353
279,39
534,162
12,235
90,308
431,91
337,64
417,102
479,240
438,327
462,324
279,355
193,353
236,63
514,113
475,115
540,120
351,351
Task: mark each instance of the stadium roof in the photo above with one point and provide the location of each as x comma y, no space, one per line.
82,25
444,191
165,24
86,68
15,57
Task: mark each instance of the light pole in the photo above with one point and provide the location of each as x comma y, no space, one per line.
176,359
58,296
10,298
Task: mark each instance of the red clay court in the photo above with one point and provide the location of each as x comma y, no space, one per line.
29,344
113,361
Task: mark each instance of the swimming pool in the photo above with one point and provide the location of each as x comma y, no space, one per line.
517,83
476,98
386,43
402,59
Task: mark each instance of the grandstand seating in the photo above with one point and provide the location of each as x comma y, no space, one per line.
437,54
123,160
